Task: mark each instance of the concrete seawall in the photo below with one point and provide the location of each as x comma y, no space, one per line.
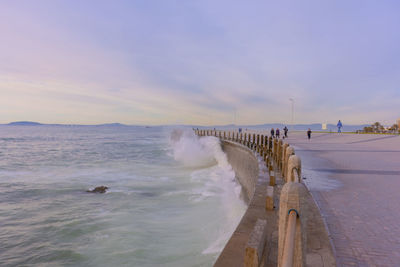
245,164
253,176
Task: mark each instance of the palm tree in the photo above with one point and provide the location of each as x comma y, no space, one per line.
377,127
394,128
368,129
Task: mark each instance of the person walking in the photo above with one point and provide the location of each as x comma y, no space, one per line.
272,132
285,130
339,126
309,133
277,133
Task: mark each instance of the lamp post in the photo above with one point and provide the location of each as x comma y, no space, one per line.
292,122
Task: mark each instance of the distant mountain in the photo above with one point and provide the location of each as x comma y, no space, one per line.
24,123
111,124
32,123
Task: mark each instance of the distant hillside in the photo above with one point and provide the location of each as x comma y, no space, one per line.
32,123
25,123
111,124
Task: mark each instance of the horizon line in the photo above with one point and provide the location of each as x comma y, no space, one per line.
34,123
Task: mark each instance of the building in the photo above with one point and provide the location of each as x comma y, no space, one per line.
398,122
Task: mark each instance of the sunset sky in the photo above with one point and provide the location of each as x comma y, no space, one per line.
199,61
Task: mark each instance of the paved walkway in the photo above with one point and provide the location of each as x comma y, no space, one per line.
355,180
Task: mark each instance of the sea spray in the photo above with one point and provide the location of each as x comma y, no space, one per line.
191,150
202,152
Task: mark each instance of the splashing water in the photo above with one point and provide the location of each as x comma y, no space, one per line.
205,151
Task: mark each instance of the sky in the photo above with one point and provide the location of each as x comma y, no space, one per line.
199,62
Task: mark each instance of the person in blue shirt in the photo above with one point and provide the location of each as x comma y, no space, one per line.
339,126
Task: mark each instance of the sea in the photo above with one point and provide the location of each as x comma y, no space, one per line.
173,199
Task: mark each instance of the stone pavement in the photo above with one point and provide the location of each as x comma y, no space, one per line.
355,180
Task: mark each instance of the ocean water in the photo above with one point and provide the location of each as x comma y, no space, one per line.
173,199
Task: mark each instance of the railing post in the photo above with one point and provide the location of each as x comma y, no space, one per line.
255,245
249,137
269,202
270,146
279,154
261,145
272,177
294,164
288,250
266,141
254,142
249,140
289,152
293,201
258,143
284,146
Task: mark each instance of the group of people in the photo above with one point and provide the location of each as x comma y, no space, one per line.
277,132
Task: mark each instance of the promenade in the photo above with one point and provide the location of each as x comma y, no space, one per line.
355,180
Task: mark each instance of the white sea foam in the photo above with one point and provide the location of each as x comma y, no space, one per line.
193,151
215,176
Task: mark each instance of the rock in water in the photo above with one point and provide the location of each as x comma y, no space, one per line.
99,189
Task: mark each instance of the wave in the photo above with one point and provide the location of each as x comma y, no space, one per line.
194,151
216,177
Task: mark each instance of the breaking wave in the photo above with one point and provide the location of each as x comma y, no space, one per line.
217,177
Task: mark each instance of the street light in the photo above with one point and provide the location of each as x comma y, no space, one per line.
292,122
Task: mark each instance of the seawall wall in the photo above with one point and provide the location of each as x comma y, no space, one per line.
245,165
254,179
